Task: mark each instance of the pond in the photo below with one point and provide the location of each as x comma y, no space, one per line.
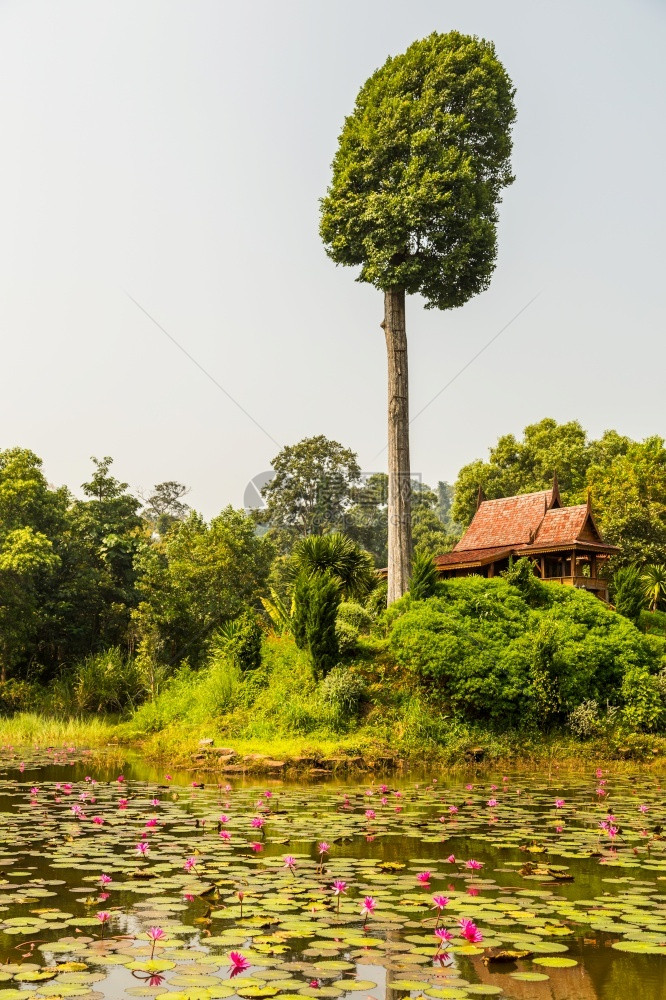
144,884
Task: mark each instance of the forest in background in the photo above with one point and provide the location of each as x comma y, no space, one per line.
111,600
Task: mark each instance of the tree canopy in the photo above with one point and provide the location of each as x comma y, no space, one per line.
419,168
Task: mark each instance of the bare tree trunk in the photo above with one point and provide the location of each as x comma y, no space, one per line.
399,477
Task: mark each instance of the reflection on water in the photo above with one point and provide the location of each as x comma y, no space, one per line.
58,840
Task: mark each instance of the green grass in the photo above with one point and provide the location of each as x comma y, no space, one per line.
33,729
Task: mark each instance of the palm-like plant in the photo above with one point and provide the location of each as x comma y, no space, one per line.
654,584
339,556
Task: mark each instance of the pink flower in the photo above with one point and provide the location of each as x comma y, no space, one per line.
368,907
473,865
289,862
469,931
370,814
469,787
492,803
324,848
599,773
257,822
190,864
142,848
150,823
423,878
225,836
558,829
443,935
451,860
167,777
339,887
103,896
256,846
103,916
122,803
154,802
98,820
156,934
34,791
440,902
453,809
120,779
105,879
237,962
559,803
224,818
643,808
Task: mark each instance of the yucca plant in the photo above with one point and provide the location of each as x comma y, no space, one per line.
339,556
654,586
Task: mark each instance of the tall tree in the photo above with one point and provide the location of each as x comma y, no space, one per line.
165,505
311,488
417,177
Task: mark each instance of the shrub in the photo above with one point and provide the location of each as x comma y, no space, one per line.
343,691
643,705
16,696
352,619
105,682
488,655
585,721
628,593
240,640
423,582
316,603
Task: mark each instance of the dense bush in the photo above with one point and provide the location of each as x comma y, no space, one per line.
240,640
105,682
316,603
343,690
490,651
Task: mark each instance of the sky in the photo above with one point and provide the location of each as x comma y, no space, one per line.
162,164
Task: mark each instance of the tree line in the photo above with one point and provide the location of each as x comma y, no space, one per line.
154,579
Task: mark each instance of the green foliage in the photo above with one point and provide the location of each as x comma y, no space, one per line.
490,655
423,582
16,696
311,489
354,614
316,602
339,556
198,577
165,506
320,635
344,691
526,466
103,682
629,592
420,165
520,574
654,585
240,640
644,707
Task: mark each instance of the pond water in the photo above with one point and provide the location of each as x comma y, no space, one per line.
568,872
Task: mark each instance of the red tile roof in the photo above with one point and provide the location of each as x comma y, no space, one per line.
563,525
472,556
506,522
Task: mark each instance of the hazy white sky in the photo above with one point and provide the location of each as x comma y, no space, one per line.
176,152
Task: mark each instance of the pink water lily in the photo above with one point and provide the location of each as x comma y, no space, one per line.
339,889
189,864
559,803
423,878
473,865
470,931
491,803
257,822
142,848
155,934
443,937
105,879
103,916
451,860
368,907
237,963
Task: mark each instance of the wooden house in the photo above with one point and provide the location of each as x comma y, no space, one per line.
563,543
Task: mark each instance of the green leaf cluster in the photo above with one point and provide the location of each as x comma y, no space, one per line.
419,169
